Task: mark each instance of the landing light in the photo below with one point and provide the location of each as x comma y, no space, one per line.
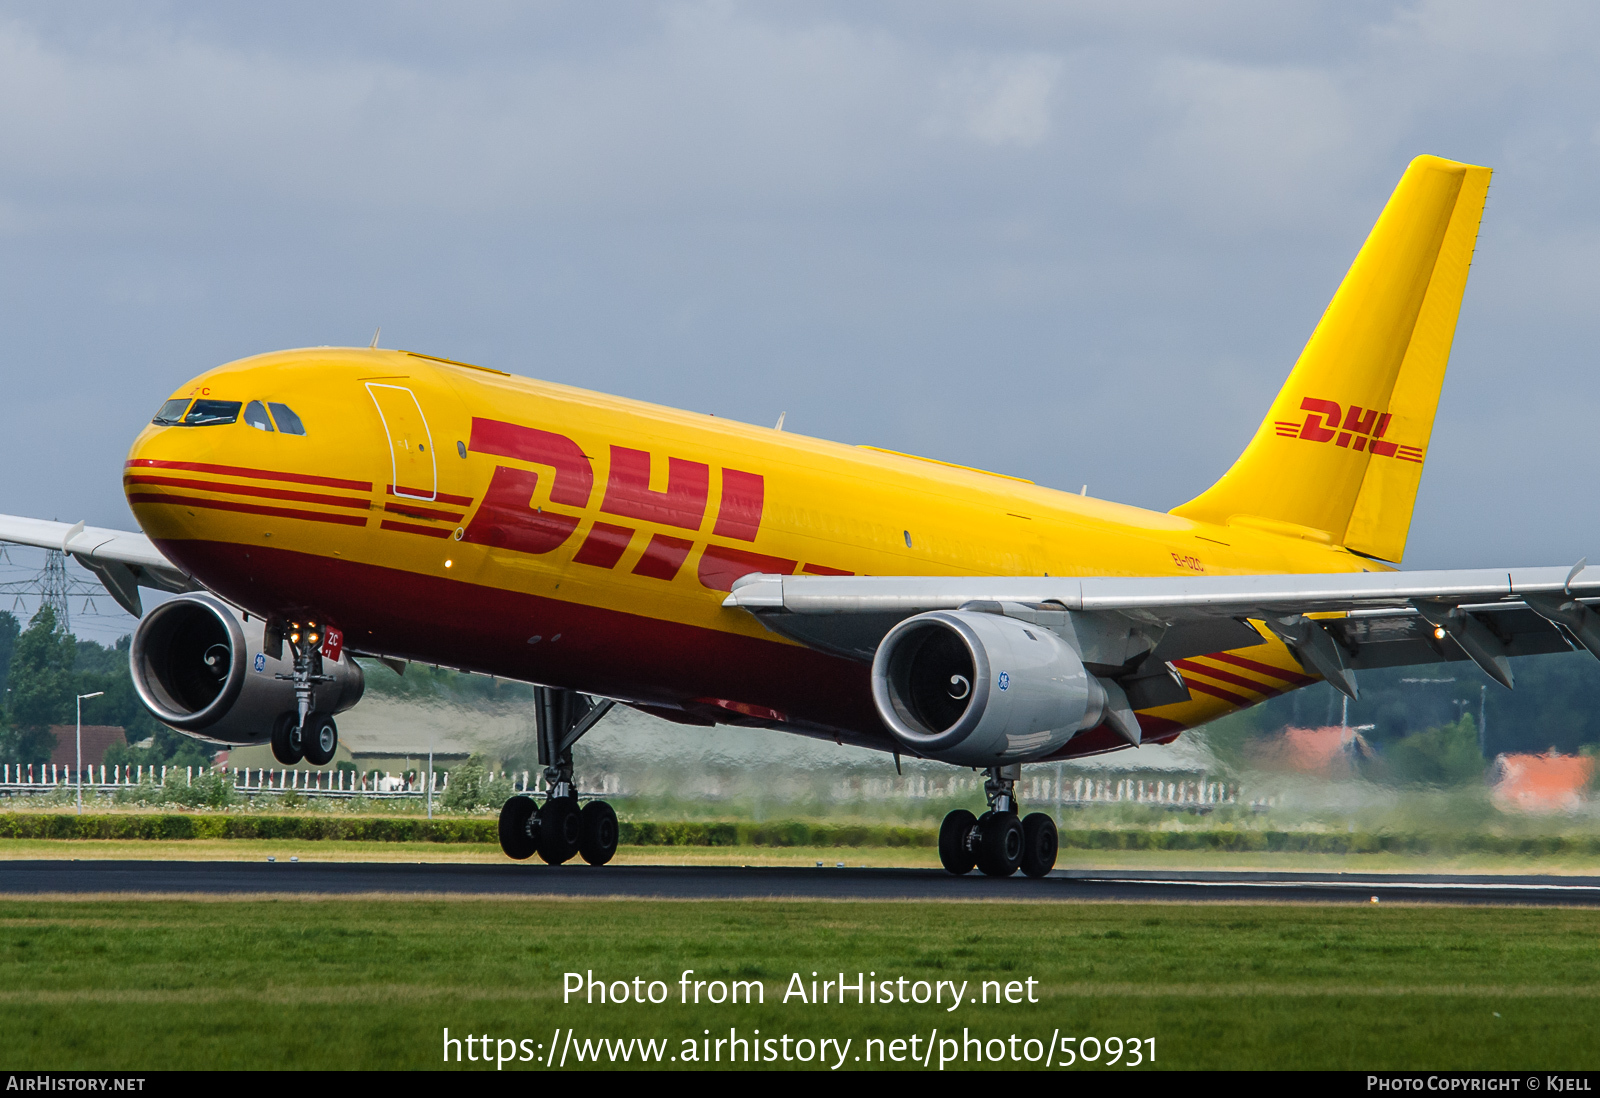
294,638
1438,632
448,563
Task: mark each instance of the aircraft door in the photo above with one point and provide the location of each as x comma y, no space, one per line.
416,474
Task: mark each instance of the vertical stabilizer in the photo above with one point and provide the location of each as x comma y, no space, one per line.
1340,454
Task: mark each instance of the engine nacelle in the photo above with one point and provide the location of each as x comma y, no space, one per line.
200,667
979,689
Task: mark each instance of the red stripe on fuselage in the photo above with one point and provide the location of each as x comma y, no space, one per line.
411,528
248,508
250,490
1292,677
439,497
1228,677
413,511
1217,692
258,474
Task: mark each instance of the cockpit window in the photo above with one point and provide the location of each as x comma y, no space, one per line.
288,422
171,412
255,414
210,413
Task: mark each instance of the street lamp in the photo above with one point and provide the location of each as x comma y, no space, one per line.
81,697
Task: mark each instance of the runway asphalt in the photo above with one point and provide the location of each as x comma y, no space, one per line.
22,878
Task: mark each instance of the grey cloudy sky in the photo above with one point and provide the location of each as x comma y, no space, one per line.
1078,242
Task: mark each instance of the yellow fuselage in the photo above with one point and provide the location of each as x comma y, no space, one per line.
456,515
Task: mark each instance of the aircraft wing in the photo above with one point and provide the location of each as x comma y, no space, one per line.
1366,619
123,561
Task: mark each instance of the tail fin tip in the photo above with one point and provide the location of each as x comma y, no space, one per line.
1341,451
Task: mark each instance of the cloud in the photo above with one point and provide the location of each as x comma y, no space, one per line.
1248,147
1077,241
998,101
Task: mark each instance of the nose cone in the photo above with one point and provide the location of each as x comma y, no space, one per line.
158,453
268,466
192,436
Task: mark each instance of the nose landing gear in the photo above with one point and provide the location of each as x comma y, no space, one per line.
319,738
287,745
303,733
999,842
559,829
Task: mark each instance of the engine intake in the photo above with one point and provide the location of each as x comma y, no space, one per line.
979,689
201,667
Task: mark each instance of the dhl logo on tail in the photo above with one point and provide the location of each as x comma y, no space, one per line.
1362,429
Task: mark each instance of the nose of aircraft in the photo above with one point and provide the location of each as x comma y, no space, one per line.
232,447
169,458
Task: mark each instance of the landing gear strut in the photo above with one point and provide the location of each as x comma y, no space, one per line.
998,842
304,733
559,828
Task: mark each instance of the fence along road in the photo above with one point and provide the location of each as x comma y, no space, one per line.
1041,790
49,777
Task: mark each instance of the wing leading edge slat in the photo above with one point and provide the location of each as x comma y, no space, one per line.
123,561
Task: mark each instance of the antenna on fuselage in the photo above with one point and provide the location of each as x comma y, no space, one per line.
779,427
373,346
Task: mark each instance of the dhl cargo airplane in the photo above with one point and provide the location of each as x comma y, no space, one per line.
313,504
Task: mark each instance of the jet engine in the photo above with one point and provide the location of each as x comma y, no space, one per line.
202,667
979,689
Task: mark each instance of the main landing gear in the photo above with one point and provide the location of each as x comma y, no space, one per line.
998,842
304,733
559,829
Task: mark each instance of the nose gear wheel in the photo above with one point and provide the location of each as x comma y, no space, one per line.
319,739
287,746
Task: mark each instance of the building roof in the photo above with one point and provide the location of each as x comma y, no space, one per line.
1540,783
1328,751
96,739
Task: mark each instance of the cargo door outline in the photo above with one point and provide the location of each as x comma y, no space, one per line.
406,452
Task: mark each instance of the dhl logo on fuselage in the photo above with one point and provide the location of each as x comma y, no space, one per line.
508,518
1361,429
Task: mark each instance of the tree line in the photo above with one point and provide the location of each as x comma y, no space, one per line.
43,669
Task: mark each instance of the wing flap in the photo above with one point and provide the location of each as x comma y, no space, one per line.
1403,638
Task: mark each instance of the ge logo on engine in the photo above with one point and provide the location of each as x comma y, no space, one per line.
1005,680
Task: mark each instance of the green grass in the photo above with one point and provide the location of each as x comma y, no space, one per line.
335,850
1093,845
118,984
